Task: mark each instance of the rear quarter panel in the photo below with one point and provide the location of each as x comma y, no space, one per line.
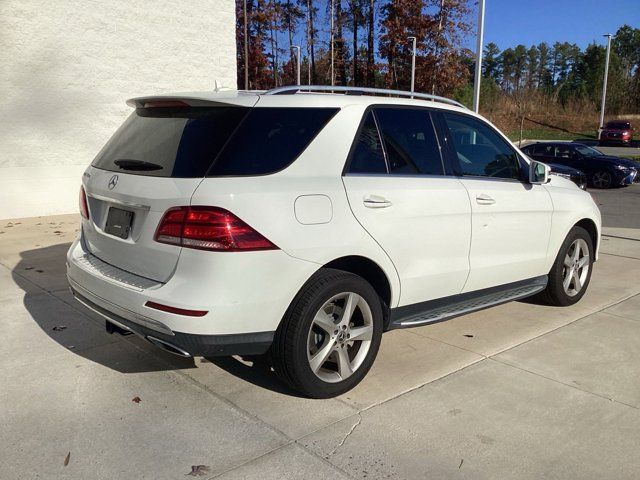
268,203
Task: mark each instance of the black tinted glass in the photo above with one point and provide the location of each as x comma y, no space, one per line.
169,142
270,139
409,141
564,151
480,150
367,155
618,125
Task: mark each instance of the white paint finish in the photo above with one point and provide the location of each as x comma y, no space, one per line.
237,289
570,205
313,209
510,236
420,240
425,228
265,203
66,69
152,197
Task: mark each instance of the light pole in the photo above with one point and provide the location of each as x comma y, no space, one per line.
478,72
413,63
332,78
297,49
604,82
246,46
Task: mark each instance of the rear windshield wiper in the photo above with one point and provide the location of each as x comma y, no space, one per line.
126,164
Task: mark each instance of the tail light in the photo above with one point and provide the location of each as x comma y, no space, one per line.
82,200
209,228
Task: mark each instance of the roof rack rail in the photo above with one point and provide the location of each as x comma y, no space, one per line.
360,91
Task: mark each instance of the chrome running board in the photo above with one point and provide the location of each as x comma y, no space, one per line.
446,308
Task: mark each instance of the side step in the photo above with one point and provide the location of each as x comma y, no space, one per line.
446,308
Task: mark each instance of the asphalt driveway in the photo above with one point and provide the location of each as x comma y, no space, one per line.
517,391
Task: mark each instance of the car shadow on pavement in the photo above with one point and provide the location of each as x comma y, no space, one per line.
255,370
41,273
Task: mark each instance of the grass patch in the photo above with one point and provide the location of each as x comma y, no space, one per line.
546,134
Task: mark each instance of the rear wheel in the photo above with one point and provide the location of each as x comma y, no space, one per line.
571,272
330,335
601,180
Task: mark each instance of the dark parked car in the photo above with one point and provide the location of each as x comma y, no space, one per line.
603,171
576,176
617,131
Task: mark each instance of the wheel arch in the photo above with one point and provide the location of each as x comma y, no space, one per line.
372,273
590,226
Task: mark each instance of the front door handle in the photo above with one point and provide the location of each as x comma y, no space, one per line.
484,199
376,201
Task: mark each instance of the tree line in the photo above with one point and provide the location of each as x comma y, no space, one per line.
567,73
370,46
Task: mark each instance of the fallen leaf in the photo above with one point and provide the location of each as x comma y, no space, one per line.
66,459
136,399
198,470
59,328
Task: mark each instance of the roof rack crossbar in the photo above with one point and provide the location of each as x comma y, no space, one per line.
292,89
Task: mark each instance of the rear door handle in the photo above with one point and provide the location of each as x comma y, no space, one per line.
375,201
484,199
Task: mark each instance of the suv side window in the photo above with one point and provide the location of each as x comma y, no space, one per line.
409,141
367,155
480,150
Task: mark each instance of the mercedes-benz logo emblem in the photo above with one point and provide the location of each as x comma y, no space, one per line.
113,181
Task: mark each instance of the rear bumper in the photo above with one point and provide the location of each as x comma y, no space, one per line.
245,296
184,344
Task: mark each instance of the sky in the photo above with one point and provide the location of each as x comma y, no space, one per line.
510,22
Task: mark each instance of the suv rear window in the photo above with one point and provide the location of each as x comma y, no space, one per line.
170,142
191,142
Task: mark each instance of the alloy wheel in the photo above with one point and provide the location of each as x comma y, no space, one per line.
601,180
576,267
340,337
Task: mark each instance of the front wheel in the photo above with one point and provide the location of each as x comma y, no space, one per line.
601,180
330,335
571,272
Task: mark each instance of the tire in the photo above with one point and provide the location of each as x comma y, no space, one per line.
601,179
314,351
557,292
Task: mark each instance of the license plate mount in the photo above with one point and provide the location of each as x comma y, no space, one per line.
119,222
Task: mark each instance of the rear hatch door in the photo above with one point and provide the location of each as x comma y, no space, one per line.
154,162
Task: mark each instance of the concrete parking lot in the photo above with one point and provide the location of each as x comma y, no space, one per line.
518,391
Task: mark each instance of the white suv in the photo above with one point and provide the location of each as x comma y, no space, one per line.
305,223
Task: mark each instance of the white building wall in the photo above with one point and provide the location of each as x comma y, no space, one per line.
66,69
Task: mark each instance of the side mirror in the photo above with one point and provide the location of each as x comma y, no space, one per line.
538,173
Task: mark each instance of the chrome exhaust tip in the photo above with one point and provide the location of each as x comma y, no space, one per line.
168,347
